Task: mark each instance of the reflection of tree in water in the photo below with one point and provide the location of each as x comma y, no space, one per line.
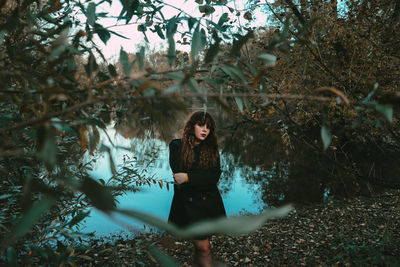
302,172
257,151
148,152
155,118
226,180
283,174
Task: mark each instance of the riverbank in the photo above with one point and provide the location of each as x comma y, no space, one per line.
359,231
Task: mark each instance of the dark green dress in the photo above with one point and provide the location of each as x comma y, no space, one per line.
199,199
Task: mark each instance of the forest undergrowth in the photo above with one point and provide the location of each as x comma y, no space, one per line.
362,231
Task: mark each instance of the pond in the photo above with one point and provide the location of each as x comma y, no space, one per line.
239,195
262,167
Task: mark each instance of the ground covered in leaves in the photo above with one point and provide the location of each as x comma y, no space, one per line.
354,232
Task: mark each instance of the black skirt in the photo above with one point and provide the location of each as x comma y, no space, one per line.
191,207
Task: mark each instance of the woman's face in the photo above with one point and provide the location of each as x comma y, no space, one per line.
201,131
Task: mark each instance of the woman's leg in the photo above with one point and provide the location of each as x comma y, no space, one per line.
203,253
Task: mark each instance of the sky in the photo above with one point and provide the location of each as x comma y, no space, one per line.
136,39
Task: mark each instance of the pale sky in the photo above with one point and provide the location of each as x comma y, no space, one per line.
111,50
136,39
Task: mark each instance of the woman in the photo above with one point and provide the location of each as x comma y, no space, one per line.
195,164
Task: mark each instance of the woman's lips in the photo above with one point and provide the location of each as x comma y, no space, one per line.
203,135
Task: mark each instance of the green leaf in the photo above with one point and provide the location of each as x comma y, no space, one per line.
386,111
196,42
112,70
11,257
73,50
191,22
214,48
176,75
194,86
2,34
171,51
47,148
234,73
171,27
71,65
162,258
222,19
268,59
29,218
239,103
232,225
5,196
212,52
369,96
101,198
172,89
149,91
237,44
213,81
78,218
102,32
236,225
49,18
159,31
326,136
91,65
61,126
56,52
119,35
140,56
203,38
206,9
91,14
142,28
126,66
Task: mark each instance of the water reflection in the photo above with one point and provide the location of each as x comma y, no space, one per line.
282,159
151,159
288,171
262,167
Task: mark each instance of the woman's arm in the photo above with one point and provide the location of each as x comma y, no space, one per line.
174,161
174,150
205,177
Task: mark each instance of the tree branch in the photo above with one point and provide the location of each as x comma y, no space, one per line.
172,95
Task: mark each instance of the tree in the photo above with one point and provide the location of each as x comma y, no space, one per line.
348,56
59,93
326,83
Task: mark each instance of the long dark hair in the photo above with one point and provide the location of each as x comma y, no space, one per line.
208,147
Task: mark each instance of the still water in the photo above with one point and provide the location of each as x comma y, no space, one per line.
239,196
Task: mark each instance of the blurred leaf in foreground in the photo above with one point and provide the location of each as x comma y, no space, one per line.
232,226
162,258
28,219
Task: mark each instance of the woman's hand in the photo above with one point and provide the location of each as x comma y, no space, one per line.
180,177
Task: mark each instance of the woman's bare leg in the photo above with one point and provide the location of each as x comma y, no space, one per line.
203,253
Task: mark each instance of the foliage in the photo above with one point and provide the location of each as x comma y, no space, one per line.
60,93
340,147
